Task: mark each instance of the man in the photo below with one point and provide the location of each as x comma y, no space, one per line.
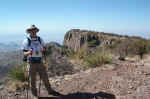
33,48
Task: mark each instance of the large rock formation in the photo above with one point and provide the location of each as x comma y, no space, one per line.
75,38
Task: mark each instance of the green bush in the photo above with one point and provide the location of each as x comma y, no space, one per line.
98,59
92,57
81,53
124,48
148,46
49,51
17,73
141,47
92,43
67,51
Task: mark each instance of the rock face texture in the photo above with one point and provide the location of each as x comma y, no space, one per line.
75,38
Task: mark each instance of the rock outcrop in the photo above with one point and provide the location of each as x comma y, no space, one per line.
75,38
58,65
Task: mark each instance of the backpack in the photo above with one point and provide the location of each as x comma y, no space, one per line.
29,43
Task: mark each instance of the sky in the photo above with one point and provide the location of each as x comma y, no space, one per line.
55,17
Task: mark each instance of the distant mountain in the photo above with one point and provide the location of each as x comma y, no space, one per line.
3,71
11,55
8,60
12,46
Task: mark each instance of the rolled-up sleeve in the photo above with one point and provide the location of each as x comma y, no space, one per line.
24,46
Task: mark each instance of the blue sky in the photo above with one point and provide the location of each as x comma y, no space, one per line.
56,17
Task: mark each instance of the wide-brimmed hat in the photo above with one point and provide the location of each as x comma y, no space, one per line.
32,27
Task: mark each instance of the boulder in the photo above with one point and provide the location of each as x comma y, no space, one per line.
76,38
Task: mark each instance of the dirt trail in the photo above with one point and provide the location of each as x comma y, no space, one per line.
124,80
127,80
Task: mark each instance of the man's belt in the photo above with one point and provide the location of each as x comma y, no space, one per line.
35,59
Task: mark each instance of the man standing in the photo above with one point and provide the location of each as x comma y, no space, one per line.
33,48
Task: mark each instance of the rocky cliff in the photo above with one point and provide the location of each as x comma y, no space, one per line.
75,38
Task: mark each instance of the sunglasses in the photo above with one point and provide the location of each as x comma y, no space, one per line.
32,30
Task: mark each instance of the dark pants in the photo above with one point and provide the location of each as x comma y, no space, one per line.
38,68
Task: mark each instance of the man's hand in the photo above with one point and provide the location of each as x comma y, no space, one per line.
44,49
28,52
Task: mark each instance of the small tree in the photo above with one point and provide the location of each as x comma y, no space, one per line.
124,48
141,47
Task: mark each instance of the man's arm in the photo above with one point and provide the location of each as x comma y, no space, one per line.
29,52
43,46
25,48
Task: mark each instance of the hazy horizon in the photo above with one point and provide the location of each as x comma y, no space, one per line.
18,38
53,37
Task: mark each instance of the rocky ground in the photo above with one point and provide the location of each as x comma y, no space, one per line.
125,80
128,79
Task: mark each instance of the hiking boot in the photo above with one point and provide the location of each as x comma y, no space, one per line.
55,93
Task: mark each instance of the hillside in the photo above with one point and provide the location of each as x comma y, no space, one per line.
76,38
92,65
8,60
122,80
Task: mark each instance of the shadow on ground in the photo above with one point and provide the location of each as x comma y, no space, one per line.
79,95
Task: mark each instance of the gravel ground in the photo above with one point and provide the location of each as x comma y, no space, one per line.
123,80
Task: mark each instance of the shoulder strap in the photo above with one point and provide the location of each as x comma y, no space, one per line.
39,39
29,41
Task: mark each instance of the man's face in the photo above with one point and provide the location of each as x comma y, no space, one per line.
33,33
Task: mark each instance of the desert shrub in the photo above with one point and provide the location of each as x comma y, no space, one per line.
148,46
93,43
17,73
81,53
98,59
124,48
112,47
70,54
130,47
67,51
141,47
48,51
